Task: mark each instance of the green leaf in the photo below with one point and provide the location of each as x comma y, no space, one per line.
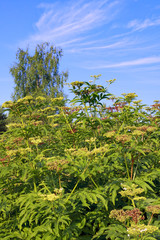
81,224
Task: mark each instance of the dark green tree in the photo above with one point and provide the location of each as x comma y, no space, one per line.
3,118
38,74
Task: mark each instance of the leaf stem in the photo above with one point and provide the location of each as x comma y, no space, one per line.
93,181
150,219
126,166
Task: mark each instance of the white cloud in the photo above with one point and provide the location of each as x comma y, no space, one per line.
42,22
116,45
137,62
140,25
67,22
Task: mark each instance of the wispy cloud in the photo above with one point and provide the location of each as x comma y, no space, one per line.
84,27
121,44
140,25
72,20
137,62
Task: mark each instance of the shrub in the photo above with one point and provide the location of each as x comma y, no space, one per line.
81,172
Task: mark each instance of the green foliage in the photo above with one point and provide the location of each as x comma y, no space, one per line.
38,74
80,172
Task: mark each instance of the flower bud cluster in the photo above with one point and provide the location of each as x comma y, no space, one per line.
153,209
119,215
123,138
135,215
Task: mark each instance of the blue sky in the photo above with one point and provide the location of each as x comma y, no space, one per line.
116,38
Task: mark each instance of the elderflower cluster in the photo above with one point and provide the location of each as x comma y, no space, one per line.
28,98
21,151
130,191
136,102
91,140
111,81
77,83
35,140
81,152
49,197
138,229
57,99
119,215
53,196
36,123
109,134
155,209
54,125
14,125
151,129
137,133
11,152
130,95
7,104
123,138
25,99
40,98
50,116
134,215
47,109
100,150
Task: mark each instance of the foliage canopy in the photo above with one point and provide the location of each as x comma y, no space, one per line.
38,74
89,172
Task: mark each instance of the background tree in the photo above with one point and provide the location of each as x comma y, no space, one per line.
2,121
38,74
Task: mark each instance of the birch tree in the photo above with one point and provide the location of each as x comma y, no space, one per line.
38,74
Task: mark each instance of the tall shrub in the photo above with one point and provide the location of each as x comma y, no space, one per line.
89,171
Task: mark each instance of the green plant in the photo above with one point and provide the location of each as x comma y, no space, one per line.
38,74
70,173
133,219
